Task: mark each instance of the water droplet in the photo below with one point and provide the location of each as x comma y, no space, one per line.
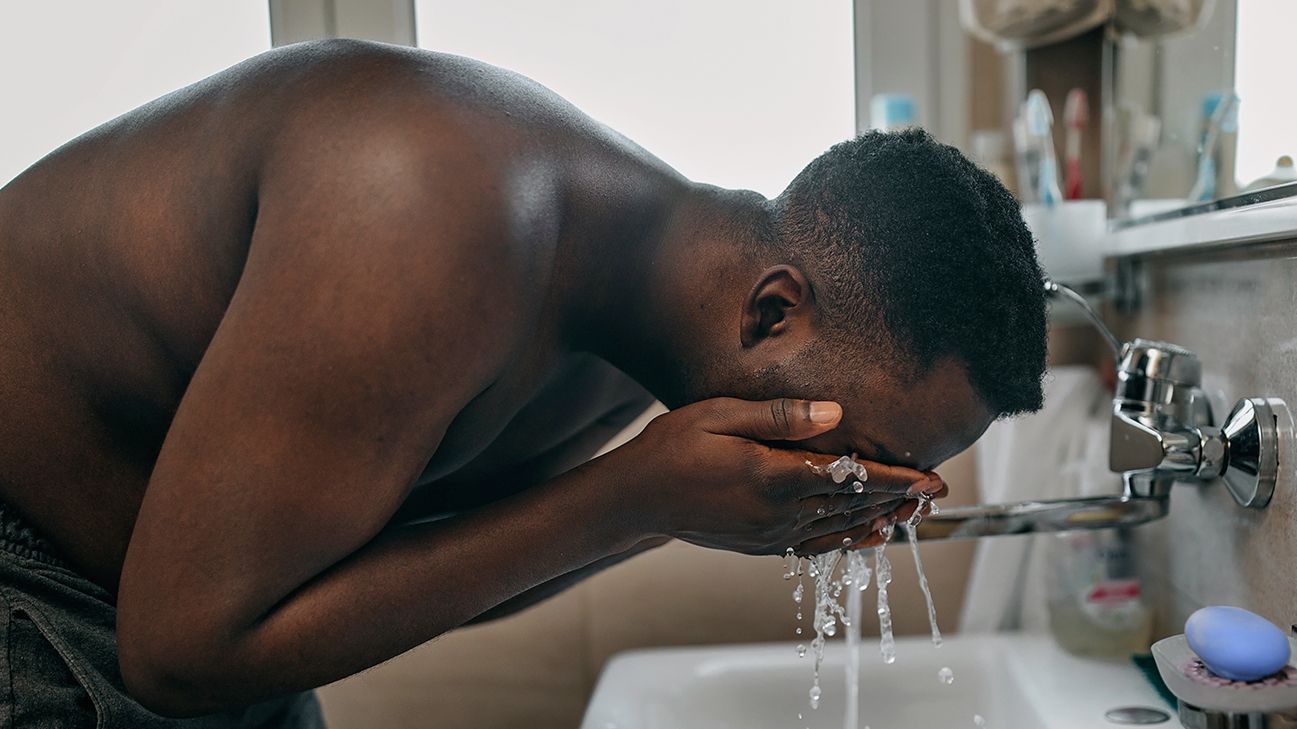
815,697
797,595
819,511
858,487
946,676
839,469
846,542
799,630
801,650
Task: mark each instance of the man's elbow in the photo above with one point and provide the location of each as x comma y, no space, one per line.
159,691
170,681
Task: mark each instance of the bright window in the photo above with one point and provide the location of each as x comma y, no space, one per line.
67,66
1267,109
738,93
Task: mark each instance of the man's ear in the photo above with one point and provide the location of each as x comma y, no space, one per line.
780,302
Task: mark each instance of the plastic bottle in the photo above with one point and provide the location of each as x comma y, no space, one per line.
1096,600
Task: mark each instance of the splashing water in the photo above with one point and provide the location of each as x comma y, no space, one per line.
883,568
979,721
827,612
856,579
791,564
846,466
918,567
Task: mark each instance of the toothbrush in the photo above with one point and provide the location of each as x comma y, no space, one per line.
1076,115
1222,119
1039,123
1136,158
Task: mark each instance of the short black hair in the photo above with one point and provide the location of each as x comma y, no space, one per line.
904,234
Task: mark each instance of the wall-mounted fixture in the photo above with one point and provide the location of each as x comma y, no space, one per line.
1162,432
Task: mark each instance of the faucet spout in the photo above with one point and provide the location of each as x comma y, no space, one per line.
1058,290
1030,517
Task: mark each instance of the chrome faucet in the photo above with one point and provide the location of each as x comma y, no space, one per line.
1162,432
1162,428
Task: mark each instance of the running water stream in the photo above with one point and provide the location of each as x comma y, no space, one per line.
854,579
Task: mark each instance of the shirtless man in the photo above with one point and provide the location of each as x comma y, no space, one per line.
301,366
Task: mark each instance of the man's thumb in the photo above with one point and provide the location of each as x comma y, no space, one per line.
780,419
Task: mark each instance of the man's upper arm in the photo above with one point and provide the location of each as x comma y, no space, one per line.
364,321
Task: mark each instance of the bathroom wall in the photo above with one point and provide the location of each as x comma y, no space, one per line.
1236,307
538,668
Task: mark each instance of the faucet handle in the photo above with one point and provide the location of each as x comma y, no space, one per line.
1134,446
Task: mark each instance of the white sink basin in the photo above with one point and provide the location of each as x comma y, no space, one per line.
1012,681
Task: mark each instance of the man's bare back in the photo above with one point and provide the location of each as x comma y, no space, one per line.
112,288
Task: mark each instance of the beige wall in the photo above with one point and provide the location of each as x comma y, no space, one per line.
537,669
1237,309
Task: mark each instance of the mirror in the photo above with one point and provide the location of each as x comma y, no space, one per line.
1203,118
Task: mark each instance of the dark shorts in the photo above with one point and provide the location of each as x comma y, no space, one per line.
58,661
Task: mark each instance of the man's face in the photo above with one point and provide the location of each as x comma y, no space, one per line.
919,425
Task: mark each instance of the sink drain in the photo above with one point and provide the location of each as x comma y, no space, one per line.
1136,715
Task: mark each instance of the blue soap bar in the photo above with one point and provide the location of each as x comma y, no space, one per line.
1236,644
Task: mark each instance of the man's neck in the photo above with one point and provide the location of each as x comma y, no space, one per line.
647,298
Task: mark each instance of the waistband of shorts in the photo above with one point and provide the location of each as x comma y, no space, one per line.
19,538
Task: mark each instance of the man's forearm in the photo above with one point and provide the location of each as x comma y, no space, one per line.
405,588
544,591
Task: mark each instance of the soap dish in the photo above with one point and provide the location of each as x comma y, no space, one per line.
1183,673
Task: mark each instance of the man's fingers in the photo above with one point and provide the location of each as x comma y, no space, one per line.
849,505
827,529
939,490
807,474
784,419
860,537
